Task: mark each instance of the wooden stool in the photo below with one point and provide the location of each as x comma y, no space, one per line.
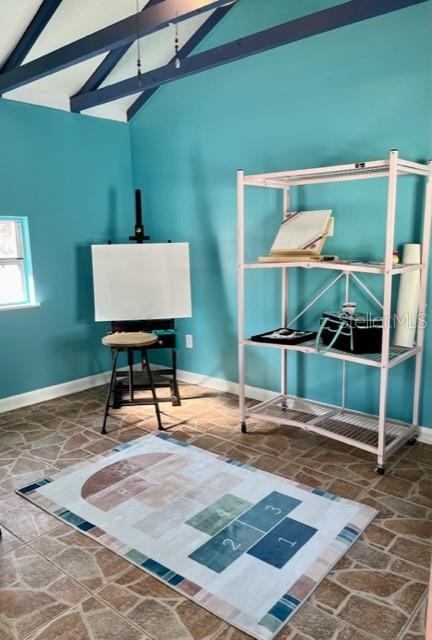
130,342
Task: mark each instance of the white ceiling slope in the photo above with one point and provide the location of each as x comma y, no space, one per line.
75,19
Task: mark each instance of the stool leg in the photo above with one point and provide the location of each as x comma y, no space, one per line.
153,390
107,404
175,393
131,378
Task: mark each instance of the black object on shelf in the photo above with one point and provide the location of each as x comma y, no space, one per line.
357,333
285,335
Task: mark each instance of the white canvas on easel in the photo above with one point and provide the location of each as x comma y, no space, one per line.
141,281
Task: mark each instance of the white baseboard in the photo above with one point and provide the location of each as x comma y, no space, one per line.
55,391
425,435
219,384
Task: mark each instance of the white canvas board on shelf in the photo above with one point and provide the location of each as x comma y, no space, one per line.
141,281
302,230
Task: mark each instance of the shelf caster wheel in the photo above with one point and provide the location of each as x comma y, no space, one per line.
380,469
175,401
243,427
412,442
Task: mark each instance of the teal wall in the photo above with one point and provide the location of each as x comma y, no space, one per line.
351,94
71,175
348,95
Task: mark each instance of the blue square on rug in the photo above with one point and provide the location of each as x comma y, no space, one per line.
269,511
282,543
225,547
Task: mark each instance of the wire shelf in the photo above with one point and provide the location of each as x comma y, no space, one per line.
337,173
347,267
396,354
359,429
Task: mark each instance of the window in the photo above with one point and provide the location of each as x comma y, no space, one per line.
16,273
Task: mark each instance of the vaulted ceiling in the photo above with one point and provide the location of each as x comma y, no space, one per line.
71,20
81,55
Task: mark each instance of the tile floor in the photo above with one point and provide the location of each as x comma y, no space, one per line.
55,583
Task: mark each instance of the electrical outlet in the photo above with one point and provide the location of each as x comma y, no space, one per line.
189,341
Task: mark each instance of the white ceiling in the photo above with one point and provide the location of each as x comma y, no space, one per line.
73,20
14,19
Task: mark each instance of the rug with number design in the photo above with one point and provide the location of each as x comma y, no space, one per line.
244,544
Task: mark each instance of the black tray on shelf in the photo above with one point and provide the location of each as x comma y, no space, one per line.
286,336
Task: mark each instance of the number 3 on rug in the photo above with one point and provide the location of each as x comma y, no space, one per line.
273,509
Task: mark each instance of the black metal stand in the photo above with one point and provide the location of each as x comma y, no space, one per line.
116,389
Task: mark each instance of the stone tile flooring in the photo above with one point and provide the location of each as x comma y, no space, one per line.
57,583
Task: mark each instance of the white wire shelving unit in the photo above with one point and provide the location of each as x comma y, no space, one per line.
376,434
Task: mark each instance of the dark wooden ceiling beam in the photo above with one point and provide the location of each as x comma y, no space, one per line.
186,50
116,35
323,21
109,62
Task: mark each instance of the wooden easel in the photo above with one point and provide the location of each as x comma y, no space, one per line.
165,329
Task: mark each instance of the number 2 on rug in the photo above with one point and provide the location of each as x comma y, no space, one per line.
230,543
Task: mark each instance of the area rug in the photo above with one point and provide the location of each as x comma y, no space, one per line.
244,544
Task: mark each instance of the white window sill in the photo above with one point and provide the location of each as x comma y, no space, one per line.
15,307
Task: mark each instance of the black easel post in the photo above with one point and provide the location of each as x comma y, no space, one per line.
139,236
164,328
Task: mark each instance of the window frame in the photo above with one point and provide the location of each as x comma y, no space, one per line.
24,262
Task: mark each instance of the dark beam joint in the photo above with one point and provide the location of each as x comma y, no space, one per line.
320,22
186,50
107,65
104,69
119,34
